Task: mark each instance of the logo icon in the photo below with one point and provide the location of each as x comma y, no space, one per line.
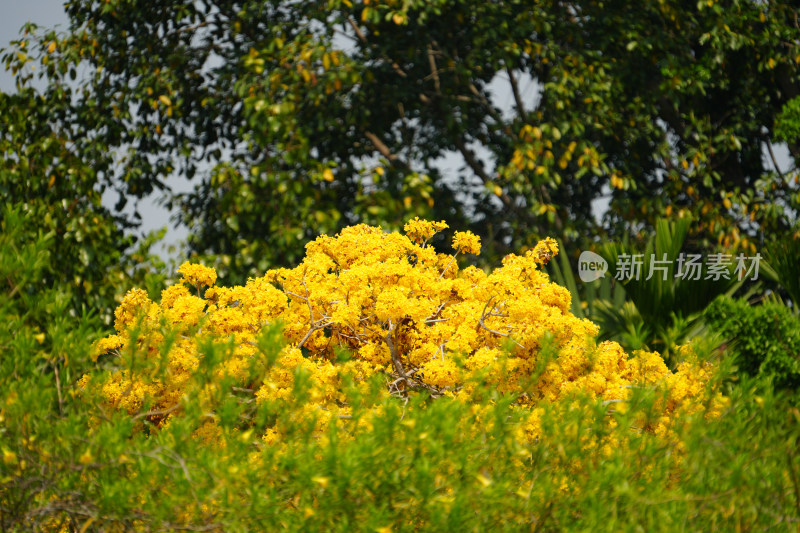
591,266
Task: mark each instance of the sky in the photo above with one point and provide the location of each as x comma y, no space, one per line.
48,14
13,16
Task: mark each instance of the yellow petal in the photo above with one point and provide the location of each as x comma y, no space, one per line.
485,481
9,457
321,481
85,458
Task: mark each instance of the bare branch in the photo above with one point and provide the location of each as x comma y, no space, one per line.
308,302
448,264
363,39
517,97
484,326
315,327
384,150
774,160
434,70
477,168
358,31
158,412
289,293
487,105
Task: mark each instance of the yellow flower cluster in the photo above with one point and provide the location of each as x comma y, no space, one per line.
197,275
545,250
106,345
420,231
401,310
467,242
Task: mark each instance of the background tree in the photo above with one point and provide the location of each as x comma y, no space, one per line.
51,183
305,117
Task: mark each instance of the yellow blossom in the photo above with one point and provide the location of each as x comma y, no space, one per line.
105,345
467,242
197,275
398,308
420,231
133,304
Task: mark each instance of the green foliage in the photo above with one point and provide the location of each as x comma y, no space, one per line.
787,127
53,186
427,464
783,267
52,305
586,297
663,311
764,339
67,463
302,118
659,313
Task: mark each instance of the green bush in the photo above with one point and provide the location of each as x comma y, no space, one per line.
69,464
426,465
764,339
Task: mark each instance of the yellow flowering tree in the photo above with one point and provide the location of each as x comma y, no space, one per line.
368,303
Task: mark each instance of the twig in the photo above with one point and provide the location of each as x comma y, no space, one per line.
312,329
158,412
490,109
435,315
308,302
517,97
358,31
58,390
484,326
364,40
385,152
290,293
774,161
477,168
440,349
434,70
448,264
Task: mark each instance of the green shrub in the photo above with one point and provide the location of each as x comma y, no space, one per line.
764,339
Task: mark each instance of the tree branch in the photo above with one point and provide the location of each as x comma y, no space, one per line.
490,109
384,150
477,168
434,70
774,160
363,39
484,326
398,365
517,97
